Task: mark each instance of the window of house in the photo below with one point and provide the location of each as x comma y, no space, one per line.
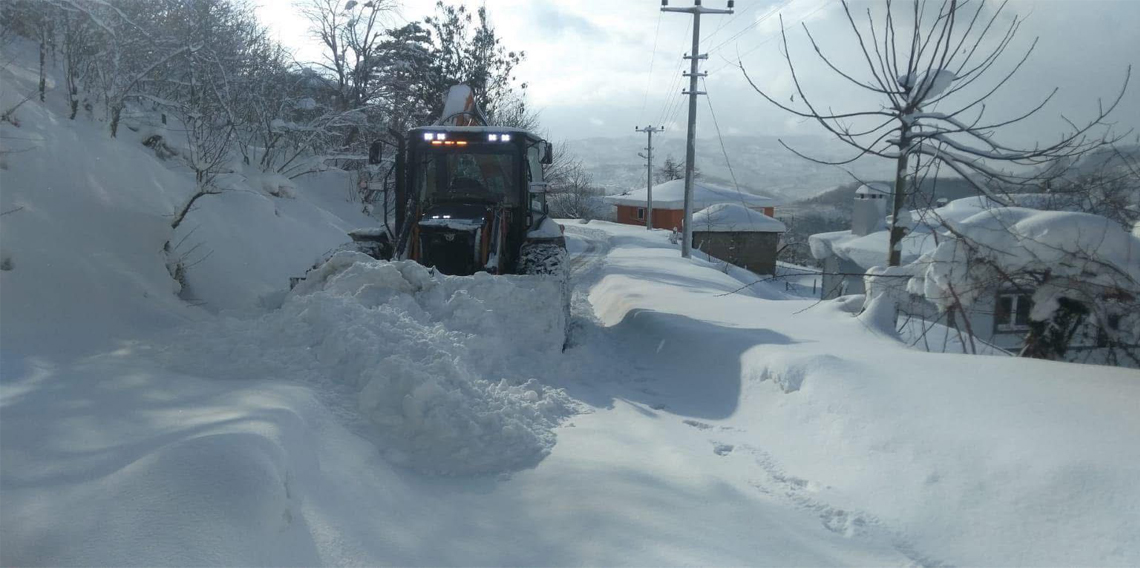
1012,312
640,212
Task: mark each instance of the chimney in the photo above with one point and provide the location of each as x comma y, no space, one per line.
869,212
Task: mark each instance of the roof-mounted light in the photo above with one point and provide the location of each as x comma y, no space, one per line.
428,136
505,137
441,136
492,137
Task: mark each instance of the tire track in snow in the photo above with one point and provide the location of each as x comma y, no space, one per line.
584,273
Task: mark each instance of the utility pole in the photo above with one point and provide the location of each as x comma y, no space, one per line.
649,130
691,138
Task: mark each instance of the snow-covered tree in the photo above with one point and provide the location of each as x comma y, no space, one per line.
670,170
476,59
1105,182
932,69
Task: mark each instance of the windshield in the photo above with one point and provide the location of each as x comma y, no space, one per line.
446,175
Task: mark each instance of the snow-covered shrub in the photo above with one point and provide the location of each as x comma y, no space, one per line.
278,185
1080,269
162,150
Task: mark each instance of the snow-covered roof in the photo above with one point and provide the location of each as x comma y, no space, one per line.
875,187
733,217
671,195
1071,247
925,228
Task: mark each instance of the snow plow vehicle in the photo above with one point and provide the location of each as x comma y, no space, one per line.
470,198
467,199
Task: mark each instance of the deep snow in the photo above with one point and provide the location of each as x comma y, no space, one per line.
380,414
445,367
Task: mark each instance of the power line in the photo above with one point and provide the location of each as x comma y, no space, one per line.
675,97
649,130
770,39
694,57
731,20
758,21
674,85
652,58
724,151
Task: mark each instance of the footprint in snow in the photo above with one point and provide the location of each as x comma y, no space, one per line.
697,425
722,449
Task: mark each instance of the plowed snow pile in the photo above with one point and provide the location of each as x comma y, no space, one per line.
445,367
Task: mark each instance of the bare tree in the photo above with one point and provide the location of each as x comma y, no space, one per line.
78,51
1105,182
925,56
573,194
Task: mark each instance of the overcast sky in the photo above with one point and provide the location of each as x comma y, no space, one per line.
593,69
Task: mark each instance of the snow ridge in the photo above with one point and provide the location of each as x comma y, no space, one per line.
445,368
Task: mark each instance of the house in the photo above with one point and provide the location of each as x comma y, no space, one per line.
999,317
669,202
738,235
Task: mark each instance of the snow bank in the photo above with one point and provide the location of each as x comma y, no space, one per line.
446,368
947,459
82,251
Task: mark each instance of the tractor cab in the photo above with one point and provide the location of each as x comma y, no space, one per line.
472,195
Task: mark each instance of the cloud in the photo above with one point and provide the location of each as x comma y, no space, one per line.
592,58
554,21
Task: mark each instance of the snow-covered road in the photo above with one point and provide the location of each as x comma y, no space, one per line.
384,415
706,427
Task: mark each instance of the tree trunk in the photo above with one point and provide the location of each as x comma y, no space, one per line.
116,111
43,76
894,255
1050,339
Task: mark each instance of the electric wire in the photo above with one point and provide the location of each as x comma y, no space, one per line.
768,40
724,150
675,84
758,21
652,59
730,20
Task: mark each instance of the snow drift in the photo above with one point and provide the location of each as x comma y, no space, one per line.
445,368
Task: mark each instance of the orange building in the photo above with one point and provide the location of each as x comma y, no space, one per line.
669,202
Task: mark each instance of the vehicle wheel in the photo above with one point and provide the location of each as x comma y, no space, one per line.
542,258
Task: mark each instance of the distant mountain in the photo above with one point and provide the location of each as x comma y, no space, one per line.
762,165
